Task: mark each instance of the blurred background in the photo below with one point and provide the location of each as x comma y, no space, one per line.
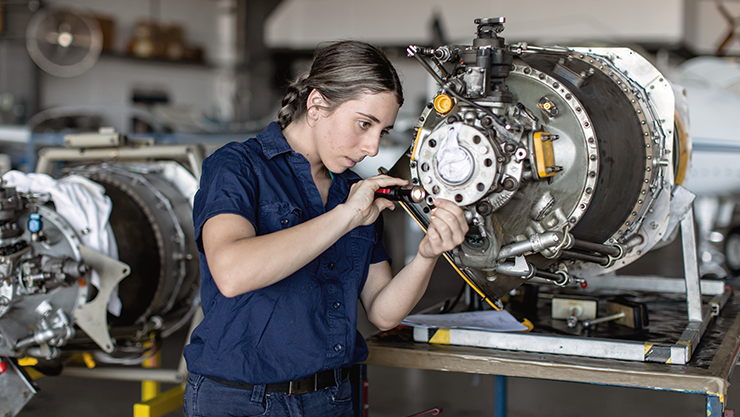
201,70
213,71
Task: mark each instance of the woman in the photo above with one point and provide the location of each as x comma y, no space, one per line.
290,238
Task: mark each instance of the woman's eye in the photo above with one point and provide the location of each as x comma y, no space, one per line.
365,125
384,133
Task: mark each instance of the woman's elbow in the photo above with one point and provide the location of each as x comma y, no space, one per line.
226,289
383,324
227,284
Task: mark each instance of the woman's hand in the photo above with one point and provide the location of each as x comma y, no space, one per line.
446,231
362,202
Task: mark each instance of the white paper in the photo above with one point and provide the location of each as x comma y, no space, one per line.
491,320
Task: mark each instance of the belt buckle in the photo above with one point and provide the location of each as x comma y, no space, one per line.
303,386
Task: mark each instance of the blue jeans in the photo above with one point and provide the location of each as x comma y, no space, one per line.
207,398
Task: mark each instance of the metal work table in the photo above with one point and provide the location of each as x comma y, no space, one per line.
707,373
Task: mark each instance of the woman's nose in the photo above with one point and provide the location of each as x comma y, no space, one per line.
371,146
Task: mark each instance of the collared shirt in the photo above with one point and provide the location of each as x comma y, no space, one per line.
306,322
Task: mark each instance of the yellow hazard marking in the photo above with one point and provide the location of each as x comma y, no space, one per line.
441,337
648,346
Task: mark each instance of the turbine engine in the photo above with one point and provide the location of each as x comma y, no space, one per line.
564,160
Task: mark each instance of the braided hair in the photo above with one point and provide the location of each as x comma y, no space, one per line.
341,72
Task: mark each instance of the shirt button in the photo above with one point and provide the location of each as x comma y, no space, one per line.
337,347
337,304
284,222
331,265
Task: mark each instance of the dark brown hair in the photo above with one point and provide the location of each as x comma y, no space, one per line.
341,72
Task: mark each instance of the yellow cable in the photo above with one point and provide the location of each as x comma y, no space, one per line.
449,259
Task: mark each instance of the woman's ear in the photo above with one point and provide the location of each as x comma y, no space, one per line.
314,103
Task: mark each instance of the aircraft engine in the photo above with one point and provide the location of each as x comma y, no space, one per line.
55,289
563,159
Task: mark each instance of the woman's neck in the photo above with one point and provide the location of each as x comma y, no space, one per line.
300,138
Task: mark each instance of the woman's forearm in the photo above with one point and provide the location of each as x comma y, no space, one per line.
246,262
396,299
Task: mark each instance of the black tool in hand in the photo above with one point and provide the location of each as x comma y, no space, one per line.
405,193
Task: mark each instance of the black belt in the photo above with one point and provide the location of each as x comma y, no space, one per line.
315,382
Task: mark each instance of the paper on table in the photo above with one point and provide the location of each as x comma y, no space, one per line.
491,320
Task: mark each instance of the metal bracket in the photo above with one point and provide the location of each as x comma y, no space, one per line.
92,316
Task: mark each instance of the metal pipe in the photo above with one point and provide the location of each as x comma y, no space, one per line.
548,275
578,256
127,374
536,243
596,247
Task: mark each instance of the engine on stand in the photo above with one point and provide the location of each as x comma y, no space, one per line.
565,160
55,290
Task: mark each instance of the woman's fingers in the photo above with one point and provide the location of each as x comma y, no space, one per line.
446,230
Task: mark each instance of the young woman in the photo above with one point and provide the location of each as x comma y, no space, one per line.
290,239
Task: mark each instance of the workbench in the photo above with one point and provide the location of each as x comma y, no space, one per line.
707,373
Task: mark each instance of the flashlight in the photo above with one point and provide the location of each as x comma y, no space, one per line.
405,193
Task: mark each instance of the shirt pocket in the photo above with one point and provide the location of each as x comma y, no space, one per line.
276,216
363,239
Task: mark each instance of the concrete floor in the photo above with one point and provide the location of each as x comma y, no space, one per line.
397,392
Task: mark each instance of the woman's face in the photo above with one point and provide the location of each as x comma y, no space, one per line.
353,130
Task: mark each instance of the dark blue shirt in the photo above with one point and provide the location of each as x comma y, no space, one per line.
306,322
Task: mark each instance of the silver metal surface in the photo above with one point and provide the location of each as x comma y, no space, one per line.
15,389
691,268
653,283
193,154
91,316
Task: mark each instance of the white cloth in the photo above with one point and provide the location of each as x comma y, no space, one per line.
453,163
85,206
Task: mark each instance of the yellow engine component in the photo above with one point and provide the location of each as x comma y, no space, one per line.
543,155
443,103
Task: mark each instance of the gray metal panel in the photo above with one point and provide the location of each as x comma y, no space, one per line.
16,389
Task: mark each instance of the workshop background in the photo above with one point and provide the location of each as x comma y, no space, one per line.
212,71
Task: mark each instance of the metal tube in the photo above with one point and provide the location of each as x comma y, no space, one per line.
126,374
536,243
578,256
596,247
548,275
589,323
